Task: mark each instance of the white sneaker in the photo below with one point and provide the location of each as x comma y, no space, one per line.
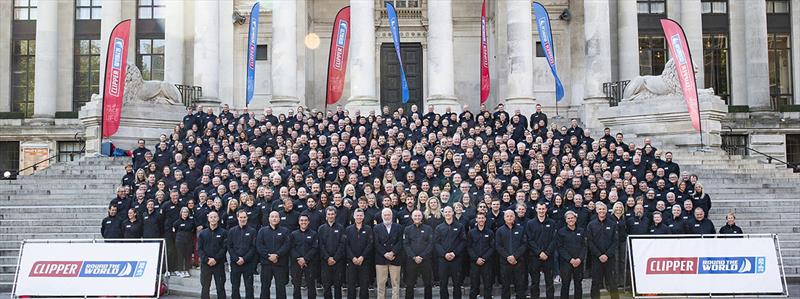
187,274
557,279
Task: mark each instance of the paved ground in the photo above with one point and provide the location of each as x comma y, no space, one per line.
794,292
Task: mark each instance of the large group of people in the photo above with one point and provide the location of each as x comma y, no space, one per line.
401,198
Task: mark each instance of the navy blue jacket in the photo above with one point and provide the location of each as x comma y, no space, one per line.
211,244
273,241
387,242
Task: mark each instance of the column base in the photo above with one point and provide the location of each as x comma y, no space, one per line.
208,102
589,109
526,106
363,105
441,103
41,120
283,104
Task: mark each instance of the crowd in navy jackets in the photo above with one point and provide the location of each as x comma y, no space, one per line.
348,199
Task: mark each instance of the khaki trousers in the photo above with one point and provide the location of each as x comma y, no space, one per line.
387,271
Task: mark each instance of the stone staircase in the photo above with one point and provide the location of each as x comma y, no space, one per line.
65,201
764,197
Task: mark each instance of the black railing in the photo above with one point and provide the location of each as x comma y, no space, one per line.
744,148
11,175
778,101
189,94
614,91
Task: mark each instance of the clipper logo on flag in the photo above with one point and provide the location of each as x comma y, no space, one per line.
116,67
676,44
88,269
340,43
706,265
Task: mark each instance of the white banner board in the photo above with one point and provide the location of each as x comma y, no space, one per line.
694,266
88,269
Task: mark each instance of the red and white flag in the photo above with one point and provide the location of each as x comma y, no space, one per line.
485,82
114,88
682,58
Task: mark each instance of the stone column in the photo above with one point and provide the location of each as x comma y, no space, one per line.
597,59
174,42
738,56
206,50
112,14
441,84
692,23
756,59
6,19
46,89
362,58
284,56
520,57
795,5
628,39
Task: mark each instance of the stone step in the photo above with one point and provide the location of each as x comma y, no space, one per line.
27,200
23,236
42,229
91,213
58,191
49,223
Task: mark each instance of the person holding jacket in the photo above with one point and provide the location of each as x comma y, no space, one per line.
243,258
272,244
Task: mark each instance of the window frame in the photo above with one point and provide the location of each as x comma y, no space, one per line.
28,8
9,156
650,4
778,99
151,7
93,5
147,73
69,150
30,75
654,70
93,81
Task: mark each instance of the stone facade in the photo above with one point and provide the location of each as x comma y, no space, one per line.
595,41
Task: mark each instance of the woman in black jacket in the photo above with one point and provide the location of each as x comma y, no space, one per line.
184,229
730,226
132,227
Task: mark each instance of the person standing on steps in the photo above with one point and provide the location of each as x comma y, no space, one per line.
449,238
602,241
331,253
480,246
540,232
303,251
111,227
272,244
571,244
243,256
388,238
358,246
418,247
211,248
510,245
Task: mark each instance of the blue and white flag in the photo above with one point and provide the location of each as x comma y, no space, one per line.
252,40
393,27
546,39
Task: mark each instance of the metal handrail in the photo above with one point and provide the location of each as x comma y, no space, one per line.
770,158
35,166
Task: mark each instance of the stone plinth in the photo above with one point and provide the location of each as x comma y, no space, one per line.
139,120
665,118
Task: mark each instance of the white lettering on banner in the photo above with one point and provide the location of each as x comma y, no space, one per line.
688,266
88,269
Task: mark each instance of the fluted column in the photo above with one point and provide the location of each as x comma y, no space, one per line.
46,78
174,40
206,50
441,84
628,39
284,56
757,59
362,58
520,57
112,15
692,23
597,59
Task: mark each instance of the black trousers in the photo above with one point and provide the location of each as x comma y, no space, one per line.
449,270
218,274
173,260
280,274
574,275
358,279
331,277
478,275
537,266
603,273
184,247
239,273
299,275
516,274
414,271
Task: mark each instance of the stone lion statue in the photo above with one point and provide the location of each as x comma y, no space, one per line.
645,87
139,90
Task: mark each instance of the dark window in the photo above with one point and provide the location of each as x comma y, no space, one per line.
793,149
151,9
539,51
714,7
87,72
652,54
262,52
780,68
735,144
88,10
778,7
9,156
150,58
25,9
22,76
652,6
715,57
69,150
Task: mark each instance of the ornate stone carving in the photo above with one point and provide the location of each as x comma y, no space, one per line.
139,90
666,84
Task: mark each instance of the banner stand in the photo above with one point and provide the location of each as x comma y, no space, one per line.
161,264
778,256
